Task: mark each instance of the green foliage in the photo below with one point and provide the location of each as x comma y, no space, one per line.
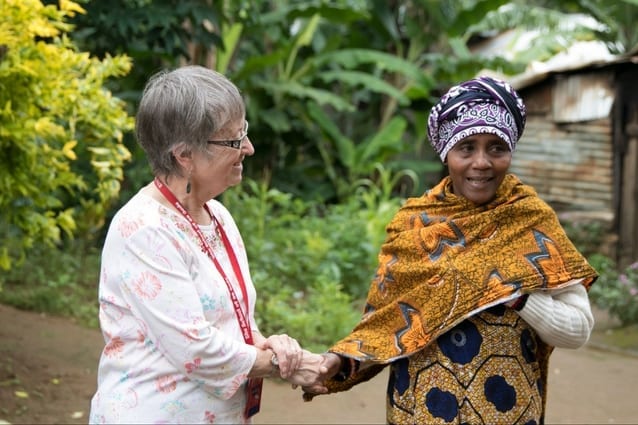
322,99
310,263
60,131
294,240
329,80
523,20
164,27
616,291
587,235
317,317
332,87
618,23
61,281
612,22
338,94
154,34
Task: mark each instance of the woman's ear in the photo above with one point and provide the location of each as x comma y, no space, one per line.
182,155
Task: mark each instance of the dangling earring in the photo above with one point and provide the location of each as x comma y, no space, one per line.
188,183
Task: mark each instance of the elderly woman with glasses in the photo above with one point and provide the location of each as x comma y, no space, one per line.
176,297
477,281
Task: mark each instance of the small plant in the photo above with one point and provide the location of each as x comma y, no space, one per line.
587,235
311,263
59,280
616,291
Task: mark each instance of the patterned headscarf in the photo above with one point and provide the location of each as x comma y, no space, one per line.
481,105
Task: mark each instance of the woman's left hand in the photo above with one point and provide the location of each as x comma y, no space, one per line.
288,351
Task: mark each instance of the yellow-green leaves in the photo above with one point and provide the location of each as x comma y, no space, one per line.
71,7
67,149
61,130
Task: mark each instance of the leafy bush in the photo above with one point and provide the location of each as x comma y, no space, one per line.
318,316
312,264
61,131
61,281
614,291
587,235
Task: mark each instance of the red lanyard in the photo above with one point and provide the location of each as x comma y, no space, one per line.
241,317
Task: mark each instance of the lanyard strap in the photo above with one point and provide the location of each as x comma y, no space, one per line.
241,317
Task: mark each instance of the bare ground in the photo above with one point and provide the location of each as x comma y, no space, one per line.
48,375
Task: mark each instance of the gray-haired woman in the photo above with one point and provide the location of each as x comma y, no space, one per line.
175,292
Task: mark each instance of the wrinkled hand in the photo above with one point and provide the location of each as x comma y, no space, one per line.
330,366
288,351
312,371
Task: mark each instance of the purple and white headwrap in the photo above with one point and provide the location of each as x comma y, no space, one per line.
481,105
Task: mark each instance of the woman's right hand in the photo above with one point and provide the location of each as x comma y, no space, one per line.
288,352
311,371
330,366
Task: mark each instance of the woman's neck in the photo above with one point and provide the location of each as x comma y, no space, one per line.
190,201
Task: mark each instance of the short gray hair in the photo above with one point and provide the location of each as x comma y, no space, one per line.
186,105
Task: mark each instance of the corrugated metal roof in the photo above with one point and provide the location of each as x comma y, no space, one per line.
583,97
532,77
580,55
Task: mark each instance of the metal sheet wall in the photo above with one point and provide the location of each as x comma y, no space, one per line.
570,163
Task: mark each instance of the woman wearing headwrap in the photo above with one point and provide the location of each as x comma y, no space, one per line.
476,284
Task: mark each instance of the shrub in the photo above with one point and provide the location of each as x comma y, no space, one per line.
587,235
61,281
61,130
311,264
616,291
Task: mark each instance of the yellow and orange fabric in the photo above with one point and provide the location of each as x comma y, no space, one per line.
446,259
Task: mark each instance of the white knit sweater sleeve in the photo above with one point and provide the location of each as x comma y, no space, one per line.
562,318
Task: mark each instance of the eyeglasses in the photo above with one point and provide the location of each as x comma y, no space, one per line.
234,143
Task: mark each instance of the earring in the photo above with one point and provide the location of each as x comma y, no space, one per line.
188,185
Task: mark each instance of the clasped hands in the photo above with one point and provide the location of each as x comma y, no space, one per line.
301,367
314,370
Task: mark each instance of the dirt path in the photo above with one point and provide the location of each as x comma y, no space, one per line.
586,386
52,361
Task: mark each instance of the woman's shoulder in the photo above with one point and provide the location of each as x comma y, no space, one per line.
224,216
139,204
219,209
139,214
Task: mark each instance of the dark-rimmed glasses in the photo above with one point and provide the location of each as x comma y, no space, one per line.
234,143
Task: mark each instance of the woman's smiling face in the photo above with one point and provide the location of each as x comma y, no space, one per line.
477,166
220,167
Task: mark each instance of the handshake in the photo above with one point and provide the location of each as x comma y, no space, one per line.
313,370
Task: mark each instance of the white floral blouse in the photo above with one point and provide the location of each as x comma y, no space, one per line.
174,350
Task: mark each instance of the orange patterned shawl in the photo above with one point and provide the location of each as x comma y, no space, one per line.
446,259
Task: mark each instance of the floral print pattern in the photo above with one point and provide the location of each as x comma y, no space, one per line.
174,352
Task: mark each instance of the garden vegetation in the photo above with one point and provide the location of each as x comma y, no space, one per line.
337,98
